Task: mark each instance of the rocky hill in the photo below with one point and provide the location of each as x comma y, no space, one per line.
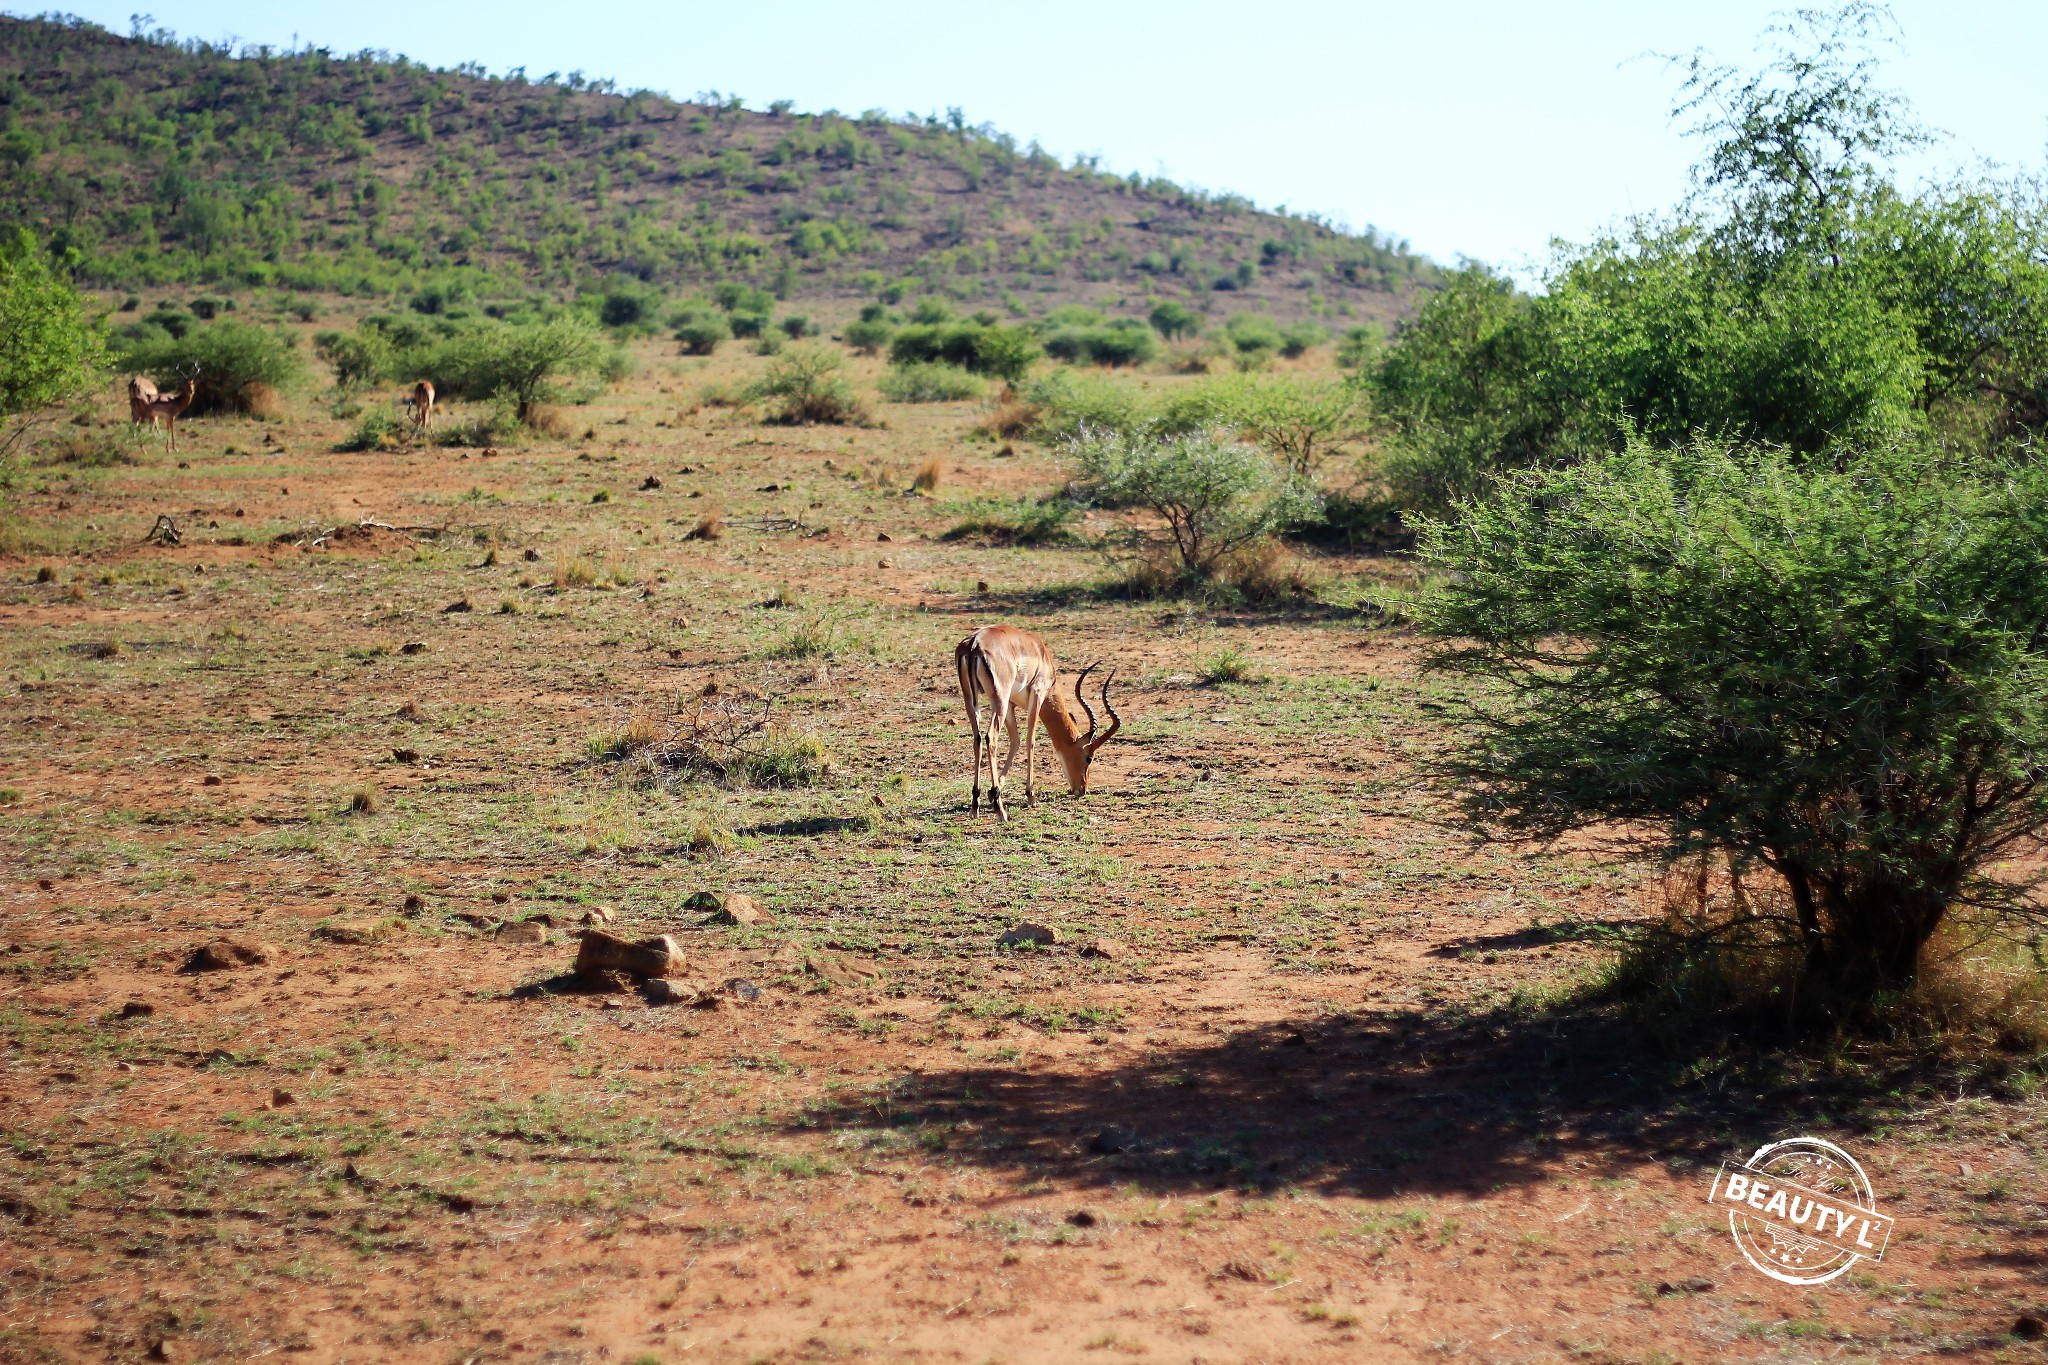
154,161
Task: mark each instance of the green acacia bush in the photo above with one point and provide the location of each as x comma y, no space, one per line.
1254,339
700,331
1175,320
497,423
1359,347
1068,404
520,362
871,334
930,383
238,366
1299,338
1297,419
806,384
50,349
1801,298
629,308
736,297
358,358
376,429
1218,497
1835,678
1124,342
1003,352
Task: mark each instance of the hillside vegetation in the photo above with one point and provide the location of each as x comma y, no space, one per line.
149,160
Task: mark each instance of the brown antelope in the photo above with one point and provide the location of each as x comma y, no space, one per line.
423,405
141,389
1013,671
167,408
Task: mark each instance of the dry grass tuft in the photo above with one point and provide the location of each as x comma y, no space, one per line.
1270,573
725,740
1008,418
261,401
544,419
574,573
930,475
364,800
1978,992
708,837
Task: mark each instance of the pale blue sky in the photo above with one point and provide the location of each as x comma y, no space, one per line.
1479,129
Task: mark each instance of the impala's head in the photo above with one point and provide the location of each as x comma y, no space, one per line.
1076,748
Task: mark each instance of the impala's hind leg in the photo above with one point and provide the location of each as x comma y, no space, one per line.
995,781
974,739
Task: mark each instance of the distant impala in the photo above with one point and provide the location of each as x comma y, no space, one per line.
423,405
164,408
1013,671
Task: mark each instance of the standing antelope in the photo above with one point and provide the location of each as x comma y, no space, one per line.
141,389
166,408
423,405
1013,671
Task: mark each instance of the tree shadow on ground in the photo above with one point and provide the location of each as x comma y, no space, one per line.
1387,1105
1050,600
806,827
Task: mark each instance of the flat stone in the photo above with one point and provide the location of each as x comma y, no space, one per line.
668,990
1694,1285
739,988
225,954
1106,948
523,931
357,933
739,909
1037,935
650,957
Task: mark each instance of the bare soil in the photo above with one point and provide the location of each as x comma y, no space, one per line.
1341,1092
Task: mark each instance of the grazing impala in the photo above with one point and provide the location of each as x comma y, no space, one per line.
1013,671
423,405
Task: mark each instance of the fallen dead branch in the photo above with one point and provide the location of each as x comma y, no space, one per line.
313,537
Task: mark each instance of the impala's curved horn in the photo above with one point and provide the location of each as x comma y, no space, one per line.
1088,740
1116,722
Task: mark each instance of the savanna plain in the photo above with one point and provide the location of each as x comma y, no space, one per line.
1311,1074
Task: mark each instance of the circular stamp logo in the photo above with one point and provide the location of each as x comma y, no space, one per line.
1801,1210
